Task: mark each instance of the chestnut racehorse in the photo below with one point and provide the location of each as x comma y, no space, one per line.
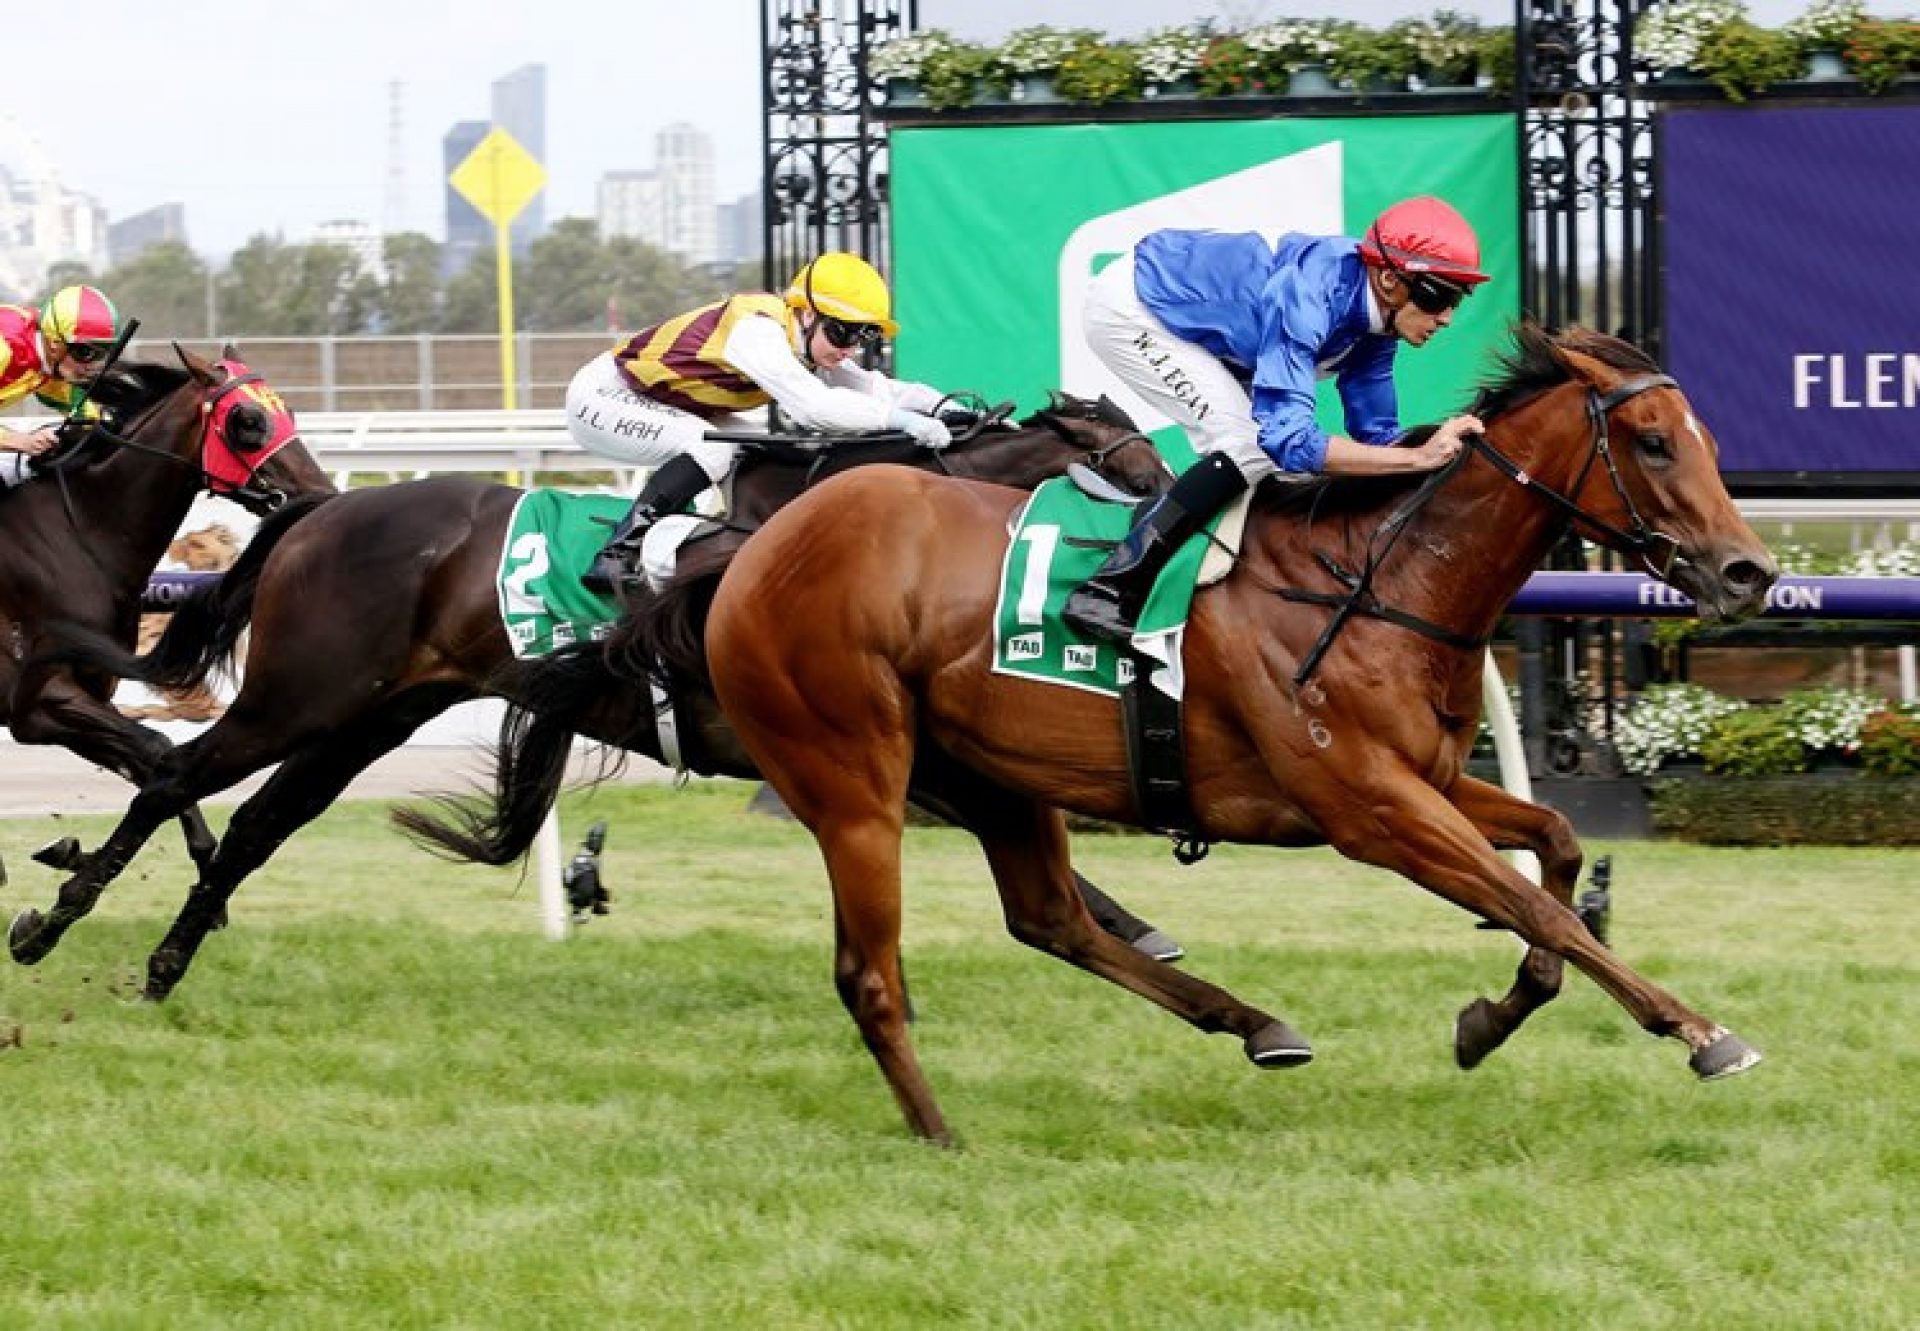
380,609
850,643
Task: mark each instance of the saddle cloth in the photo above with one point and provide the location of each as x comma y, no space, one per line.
551,540
1059,539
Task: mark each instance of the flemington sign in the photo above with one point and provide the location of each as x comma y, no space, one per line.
1637,596
1790,292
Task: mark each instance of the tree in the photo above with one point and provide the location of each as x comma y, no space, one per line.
471,302
66,273
569,276
649,284
272,289
409,300
165,287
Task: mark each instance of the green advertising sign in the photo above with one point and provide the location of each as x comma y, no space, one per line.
997,231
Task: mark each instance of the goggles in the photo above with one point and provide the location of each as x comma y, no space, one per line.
87,353
846,335
1433,295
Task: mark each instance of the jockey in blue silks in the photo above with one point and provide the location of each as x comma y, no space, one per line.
1227,334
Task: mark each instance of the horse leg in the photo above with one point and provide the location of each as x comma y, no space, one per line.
179,777
307,783
1511,823
1409,827
56,710
1026,847
1123,924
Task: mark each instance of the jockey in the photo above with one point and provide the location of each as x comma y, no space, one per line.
1227,334
652,400
50,352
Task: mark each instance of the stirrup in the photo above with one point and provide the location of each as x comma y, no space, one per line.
1097,609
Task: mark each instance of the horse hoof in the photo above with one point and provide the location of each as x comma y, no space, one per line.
1278,1045
1727,1055
63,854
1476,1033
1158,946
20,935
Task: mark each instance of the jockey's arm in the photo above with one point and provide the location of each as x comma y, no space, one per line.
902,393
759,349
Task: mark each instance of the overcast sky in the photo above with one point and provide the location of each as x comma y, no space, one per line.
275,117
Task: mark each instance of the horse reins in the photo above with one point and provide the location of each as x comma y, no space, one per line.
1640,540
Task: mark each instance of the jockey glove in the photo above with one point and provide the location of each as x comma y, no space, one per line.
927,431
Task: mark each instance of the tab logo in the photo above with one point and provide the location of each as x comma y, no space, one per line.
1026,647
1079,659
1298,192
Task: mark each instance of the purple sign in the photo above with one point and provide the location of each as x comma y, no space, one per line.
1792,300
1636,596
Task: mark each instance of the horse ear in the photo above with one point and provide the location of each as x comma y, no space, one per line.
198,368
229,352
1106,409
1589,370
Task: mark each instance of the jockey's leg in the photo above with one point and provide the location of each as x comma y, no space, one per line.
606,416
1108,604
1192,388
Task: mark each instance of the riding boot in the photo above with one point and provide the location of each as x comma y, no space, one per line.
1108,604
674,484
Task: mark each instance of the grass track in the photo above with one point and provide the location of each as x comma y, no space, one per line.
381,1100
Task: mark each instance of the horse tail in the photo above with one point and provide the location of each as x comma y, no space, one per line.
664,639
204,629
530,763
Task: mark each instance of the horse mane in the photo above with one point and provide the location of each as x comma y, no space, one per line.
134,386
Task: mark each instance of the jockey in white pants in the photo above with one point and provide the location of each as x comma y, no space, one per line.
653,400
1227,335
52,352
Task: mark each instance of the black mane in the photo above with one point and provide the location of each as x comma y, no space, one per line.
132,387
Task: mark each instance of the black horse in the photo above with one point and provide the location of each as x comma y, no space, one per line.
378,610
79,541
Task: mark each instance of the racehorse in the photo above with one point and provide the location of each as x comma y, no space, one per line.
851,643
79,541
337,675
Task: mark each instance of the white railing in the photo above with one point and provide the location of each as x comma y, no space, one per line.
400,444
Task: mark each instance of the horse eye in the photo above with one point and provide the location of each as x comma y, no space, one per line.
1655,445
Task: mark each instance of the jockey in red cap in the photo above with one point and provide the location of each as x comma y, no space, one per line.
49,351
1227,335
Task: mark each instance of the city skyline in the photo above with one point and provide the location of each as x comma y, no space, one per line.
279,146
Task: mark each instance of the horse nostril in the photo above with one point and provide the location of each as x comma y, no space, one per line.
1747,575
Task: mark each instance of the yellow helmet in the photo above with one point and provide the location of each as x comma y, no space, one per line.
844,287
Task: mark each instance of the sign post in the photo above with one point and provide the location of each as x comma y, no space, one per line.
499,178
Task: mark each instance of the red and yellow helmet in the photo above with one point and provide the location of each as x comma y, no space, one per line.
1424,235
79,314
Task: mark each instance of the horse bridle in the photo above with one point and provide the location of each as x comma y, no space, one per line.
257,497
1640,540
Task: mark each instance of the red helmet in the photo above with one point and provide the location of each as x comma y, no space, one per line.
1424,235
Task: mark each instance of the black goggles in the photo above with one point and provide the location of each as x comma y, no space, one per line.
846,336
1434,295
87,353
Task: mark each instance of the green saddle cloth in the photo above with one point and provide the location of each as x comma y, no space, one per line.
551,540
1064,536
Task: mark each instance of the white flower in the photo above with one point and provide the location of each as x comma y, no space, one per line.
1668,721
1295,41
1827,23
1669,35
1170,53
903,57
1830,718
1039,50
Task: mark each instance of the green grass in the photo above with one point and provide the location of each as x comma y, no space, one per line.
382,1100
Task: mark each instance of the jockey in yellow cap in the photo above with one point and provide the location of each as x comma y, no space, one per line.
653,400
50,352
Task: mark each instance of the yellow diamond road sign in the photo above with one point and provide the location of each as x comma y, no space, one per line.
499,177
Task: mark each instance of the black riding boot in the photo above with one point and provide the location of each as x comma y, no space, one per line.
674,484
1108,604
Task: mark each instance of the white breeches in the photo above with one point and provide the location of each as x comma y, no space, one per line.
606,417
13,469
1186,383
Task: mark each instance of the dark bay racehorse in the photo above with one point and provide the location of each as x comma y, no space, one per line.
380,610
78,543
851,645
